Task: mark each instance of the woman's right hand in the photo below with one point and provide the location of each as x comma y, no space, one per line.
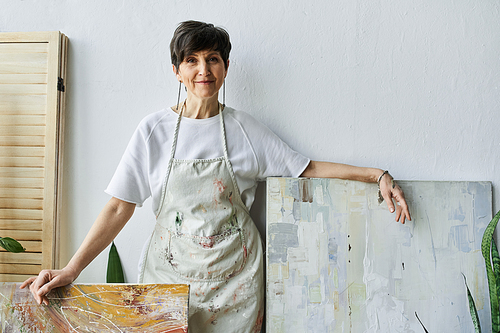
47,280
110,221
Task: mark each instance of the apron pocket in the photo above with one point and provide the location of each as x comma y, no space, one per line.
218,257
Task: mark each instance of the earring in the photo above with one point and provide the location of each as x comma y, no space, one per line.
224,94
179,96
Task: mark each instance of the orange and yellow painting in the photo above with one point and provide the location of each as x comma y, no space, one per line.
96,308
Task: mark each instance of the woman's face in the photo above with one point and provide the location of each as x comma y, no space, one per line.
202,73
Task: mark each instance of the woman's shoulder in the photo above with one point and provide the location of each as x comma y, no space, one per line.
243,118
154,120
237,114
252,127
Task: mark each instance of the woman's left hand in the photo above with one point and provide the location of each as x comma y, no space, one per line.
390,190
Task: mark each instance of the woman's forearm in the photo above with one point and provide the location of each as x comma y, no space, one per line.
317,169
388,189
108,224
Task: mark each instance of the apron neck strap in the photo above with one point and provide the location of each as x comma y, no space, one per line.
223,132
177,126
176,132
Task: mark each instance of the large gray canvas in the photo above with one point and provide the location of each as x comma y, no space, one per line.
338,262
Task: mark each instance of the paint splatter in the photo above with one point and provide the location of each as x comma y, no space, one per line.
109,308
219,185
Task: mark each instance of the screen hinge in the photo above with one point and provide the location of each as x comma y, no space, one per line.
60,84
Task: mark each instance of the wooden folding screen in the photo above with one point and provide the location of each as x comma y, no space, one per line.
32,73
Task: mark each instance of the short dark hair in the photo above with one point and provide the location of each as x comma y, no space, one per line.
194,36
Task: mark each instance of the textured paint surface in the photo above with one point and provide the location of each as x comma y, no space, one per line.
96,308
337,261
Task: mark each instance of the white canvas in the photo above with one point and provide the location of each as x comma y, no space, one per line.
338,262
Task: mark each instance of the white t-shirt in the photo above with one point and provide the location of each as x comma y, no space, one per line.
254,151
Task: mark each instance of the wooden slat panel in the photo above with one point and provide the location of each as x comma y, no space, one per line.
33,141
23,89
32,193
33,225
23,78
30,246
27,37
22,120
19,269
21,203
13,100
23,108
22,235
21,151
20,258
23,47
14,277
22,57
21,182
32,63
22,162
22,130
23,68
23,104
22,172
22,214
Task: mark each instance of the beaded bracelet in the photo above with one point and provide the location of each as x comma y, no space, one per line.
380,197
380,177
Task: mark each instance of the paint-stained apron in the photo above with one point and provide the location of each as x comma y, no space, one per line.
204,237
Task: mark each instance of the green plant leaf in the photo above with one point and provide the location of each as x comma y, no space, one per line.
486,247
11,245
115,270
496,266
472,309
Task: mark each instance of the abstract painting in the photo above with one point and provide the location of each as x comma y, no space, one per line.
96,308
338,262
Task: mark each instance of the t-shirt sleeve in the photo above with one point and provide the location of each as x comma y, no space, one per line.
130,181
274,157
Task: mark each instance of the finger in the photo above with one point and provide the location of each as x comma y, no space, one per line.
37,298
48,287
42,279
44,300
403,217
398,213
390,204
404,207
407,213
40,294
27,282
45,289
39,282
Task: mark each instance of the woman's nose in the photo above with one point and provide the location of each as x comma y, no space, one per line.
203,68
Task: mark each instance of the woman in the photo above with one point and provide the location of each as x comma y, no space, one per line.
200,162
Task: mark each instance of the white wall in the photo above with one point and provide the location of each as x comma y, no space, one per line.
411,86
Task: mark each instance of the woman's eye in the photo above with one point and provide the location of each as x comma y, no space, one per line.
191,60
214,59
